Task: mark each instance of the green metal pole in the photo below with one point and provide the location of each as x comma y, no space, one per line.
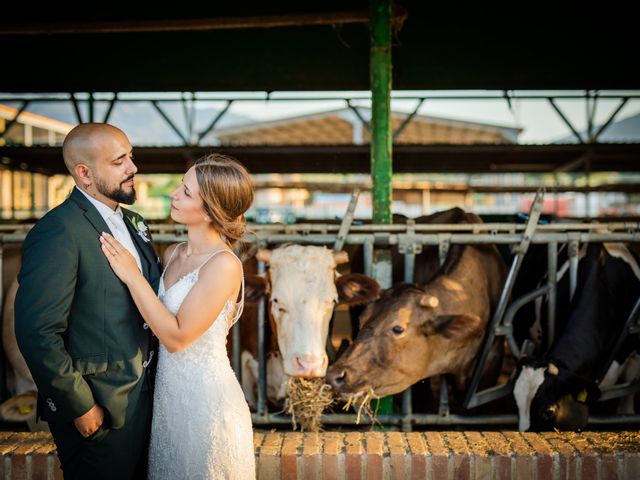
91,107
381,138
381,142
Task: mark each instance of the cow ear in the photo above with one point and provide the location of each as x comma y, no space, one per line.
340,257
456,327
356,289
255,287
263,255
583,390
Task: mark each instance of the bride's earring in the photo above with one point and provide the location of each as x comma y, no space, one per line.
206,218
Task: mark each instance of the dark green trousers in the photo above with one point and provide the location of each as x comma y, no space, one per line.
107,454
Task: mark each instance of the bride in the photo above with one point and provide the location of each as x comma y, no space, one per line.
201,426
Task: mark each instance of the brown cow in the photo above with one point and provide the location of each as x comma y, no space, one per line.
413,332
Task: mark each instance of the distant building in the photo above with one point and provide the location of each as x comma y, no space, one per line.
29,195
31,129
343,126
24,194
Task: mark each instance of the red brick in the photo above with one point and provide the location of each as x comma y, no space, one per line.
291,446
460,454
588,454
20,457
419,454
312,456
439,455
42,458
481,461
332,457
57,469
500,453
564,454
353,454
544,455
399,455
6,446
374,443
631,462
608,457
394,455
523,465
269,459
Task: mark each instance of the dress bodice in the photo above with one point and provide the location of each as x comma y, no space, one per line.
212,343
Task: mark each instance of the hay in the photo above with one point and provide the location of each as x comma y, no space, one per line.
362,404
307,398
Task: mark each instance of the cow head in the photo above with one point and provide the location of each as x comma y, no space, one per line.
407,334
549,397
302,296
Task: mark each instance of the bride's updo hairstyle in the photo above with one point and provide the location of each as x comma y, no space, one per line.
227,193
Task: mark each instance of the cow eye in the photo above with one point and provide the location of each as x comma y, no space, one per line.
397,330
549,413
282,310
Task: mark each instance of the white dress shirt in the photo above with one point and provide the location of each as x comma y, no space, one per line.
115,221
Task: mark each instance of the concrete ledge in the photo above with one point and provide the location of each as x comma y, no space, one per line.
393,455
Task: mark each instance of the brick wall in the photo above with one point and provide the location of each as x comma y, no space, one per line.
28,456
394,455
447,455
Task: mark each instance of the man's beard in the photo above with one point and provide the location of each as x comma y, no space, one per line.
116,194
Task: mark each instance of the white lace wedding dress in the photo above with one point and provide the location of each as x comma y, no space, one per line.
201,427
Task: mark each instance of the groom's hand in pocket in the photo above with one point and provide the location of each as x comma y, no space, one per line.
90,421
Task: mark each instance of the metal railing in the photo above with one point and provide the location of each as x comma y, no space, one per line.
410,238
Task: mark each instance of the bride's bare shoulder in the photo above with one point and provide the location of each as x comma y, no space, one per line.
221,264
168,253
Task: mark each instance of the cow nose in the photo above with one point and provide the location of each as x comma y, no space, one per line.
337,378
311,365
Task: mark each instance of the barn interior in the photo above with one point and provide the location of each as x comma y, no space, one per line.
96,66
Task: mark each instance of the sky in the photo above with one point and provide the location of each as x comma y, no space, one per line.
537,118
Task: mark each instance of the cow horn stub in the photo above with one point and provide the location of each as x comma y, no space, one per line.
553,370
340,257
429,301
263,255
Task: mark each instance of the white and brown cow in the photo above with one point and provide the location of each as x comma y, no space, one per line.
302,287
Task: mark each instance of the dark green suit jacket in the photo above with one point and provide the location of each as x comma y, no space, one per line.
76,323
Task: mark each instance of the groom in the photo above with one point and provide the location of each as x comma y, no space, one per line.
88,348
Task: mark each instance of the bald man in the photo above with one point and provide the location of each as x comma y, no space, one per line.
88,348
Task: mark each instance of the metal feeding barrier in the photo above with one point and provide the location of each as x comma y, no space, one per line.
410,238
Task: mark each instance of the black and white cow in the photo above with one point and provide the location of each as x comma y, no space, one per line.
555,392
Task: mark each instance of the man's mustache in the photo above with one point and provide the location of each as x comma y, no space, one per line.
127,179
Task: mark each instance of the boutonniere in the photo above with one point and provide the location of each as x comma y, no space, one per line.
141,228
